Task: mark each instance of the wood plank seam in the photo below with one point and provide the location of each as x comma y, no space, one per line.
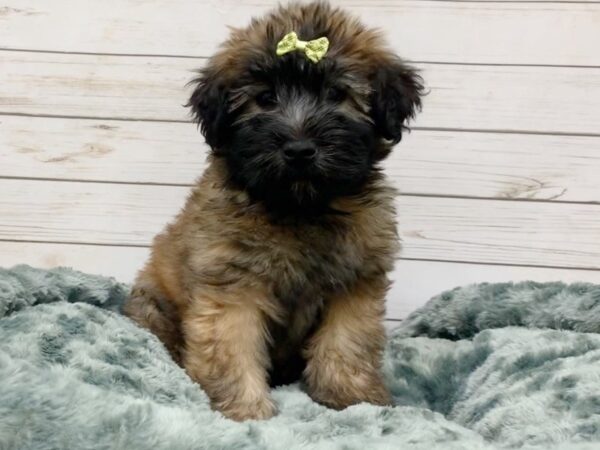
463,98
404,193
399,258
412,127
409,61
472,27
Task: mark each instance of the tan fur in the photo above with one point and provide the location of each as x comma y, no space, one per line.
239,298
344,355
223,274
226,351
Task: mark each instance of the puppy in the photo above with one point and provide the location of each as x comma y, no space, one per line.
276,268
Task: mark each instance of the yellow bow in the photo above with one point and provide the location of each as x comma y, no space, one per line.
314,50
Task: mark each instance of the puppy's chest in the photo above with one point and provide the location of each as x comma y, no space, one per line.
309,262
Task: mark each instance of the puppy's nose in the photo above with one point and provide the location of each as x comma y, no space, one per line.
301,151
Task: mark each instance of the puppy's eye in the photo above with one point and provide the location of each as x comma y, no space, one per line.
266,98
336,94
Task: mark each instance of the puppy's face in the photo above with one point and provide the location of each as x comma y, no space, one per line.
294,132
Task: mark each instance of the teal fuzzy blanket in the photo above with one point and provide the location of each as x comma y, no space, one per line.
480,367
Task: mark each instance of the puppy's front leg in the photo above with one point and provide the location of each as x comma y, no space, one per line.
226,353
344,355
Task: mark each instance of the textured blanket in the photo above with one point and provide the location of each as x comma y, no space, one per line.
481,367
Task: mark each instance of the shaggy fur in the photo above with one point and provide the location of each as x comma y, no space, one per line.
75,375
277,266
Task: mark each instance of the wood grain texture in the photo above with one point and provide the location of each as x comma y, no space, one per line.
101,150
414,281
540,99
475,32
121,263
484,165
95,86
138,134
503,232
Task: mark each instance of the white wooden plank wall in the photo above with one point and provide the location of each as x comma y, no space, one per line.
501,174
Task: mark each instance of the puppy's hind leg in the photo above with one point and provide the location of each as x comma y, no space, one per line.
148,307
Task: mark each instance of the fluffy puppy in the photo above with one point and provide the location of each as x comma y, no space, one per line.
276,268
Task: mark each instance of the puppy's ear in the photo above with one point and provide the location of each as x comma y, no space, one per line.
210,109
396,98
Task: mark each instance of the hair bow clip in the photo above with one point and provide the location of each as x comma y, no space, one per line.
314,50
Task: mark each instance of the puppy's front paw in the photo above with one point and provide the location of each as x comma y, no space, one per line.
261,409
350,390
337,400
379,394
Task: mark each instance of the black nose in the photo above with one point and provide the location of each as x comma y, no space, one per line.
299,151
